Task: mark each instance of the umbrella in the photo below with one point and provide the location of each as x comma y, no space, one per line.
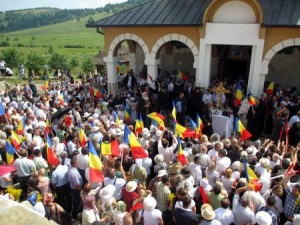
4,169
60,113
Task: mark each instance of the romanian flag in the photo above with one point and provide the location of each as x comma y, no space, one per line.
2,111
82,137
270,89
182,76
200,126
91,91
116,118
115,150
173,110
251,177
47,128
238,95
251,99
137,151
138,129
181,157
15,140
239,127
10,151
46,85
20,130
111,148
97,93
51,156
158,118
141,121
106,148
95,165
127,116
193,124
61,99
183,132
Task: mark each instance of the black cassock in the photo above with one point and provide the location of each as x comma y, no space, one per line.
255,121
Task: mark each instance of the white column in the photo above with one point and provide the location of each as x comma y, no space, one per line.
151,68
132,61
112,78
254,74
204,64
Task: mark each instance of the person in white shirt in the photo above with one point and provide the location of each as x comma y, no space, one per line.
224,214
213,153
195,169
117,182
58,147
294,119
187,182
207,96
150,215
223,162
83,163
163,147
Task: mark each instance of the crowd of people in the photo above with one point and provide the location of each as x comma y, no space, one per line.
213,186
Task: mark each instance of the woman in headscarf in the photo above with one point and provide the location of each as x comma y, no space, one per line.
119,212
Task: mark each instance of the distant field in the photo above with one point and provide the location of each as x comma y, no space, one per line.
59,36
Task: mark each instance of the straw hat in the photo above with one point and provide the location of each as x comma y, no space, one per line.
263,218
131,186
149,203
207,212
86,114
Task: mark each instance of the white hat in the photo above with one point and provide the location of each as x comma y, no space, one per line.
149,203
153,128
264,162
146,134
94,129
131,186
145,130
263,218
86,114
159,158
158,133
204,183
107,192
250,150
112,123
161,173
207,212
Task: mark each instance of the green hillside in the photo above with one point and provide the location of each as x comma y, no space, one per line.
71,38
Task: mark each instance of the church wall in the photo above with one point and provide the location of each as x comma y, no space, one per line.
275,35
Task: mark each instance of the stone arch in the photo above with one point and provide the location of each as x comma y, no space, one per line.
124,37
175,37
214,6
276,48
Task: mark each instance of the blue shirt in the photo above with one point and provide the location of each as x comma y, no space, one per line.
291,205
60,175
74,178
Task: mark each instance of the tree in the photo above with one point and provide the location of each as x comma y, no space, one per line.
35,63
12,57
90,20
73,62
58,60
88,65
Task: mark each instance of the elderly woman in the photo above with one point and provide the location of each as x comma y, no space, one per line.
119,212
149,214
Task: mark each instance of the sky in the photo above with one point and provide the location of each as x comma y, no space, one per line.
61,4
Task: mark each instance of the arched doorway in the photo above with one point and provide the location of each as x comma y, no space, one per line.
284,68
128,55
175,57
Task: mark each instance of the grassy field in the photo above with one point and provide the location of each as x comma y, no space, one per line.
58,36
